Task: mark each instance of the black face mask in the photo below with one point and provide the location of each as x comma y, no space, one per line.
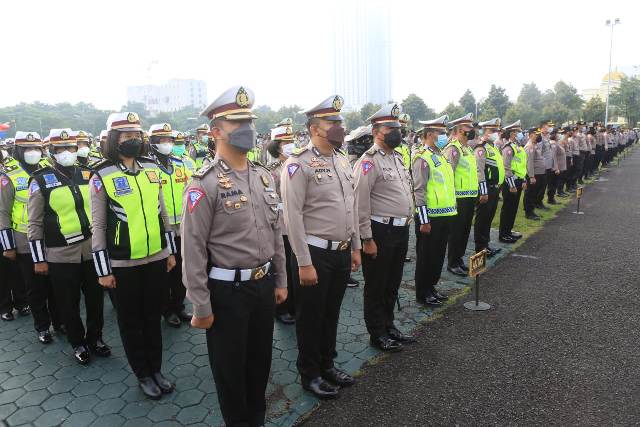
335,136
130,147
539,139
470,134
393,138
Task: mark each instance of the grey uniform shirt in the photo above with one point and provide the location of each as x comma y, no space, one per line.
74,253
318,195
276,171
507,158
229,220
545,148
535,162
382,188
99,206
7,196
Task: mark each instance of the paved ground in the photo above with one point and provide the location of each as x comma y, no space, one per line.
559,347
42,385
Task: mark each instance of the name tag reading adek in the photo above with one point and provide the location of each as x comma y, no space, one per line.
122,187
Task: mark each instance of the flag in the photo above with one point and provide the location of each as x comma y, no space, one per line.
5,126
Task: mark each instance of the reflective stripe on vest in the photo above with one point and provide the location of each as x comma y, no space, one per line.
519,161
20,180
465,174
494,162
406,157
135,202
440,196
62,203
173,187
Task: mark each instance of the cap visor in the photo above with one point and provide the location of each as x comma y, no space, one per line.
336,118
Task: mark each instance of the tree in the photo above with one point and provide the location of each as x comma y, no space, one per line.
497,102
626,100
453,111
567,95
415,107
530,95
468,101
487,112
525,113
368,110
352,120
557,112
593,110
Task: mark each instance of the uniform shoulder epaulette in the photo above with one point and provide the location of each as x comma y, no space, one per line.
298,152
371,151
274,165
341,151
146,159
101,164
258,164
42,170
200,173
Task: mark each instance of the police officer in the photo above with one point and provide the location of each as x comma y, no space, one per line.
173,178
491,172
133,246
97,153
280,147
234,260
179,151
514,159
60,243
404,149
12,292
467,184
557,166
545,148
14,223
317,189
83,143
536,173
384,203
358,141
200,147
435,197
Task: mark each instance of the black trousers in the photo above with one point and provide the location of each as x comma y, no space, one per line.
12,291
318,309
578,163
239,344
541,187
141,296
176,289
461,228
561,182
530,194
510,202
586,169
552,184
39,295
382,276
485,212
599,157
288,306
430,251
569,176
69,281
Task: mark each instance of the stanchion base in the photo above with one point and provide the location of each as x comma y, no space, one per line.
471,305
577,213
602,180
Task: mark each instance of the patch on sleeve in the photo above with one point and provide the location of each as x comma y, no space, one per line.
480,153
424,164
454,153
4,181
195,195
97,184
367,165
34,187
292,169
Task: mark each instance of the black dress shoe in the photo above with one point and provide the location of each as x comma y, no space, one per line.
24,311
184,316
100,348
407,259
286,318
441,297
543,207
507,239
45,337
400,337
463,267
532,217
60,329
552,202
164,384
150,388
493,252
431,301
7,316
456,270
352,283
172,320
338,377
320,388
516,235
81,354
386,343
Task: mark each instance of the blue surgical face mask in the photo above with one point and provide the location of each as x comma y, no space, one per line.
441,141
520,136
178,150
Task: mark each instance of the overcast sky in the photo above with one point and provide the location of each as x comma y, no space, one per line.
55,51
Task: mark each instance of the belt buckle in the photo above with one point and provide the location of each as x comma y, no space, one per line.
258,273
386,220
343,245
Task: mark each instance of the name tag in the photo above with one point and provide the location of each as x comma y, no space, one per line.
122,187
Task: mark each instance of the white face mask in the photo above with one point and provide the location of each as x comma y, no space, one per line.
493,137
66,158
83,152
5,154
32,157
288,149
164,148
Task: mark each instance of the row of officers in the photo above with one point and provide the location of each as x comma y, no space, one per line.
242,239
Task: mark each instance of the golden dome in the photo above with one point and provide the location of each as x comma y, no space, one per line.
615,76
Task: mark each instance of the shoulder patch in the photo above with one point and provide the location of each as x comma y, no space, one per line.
292,168
366,166
96,182
194,196
424,164
34,187
299,151
4,181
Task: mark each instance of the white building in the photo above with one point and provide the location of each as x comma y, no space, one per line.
171,96
362,53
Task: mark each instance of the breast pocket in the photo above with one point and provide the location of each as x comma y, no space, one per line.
272,201
390,175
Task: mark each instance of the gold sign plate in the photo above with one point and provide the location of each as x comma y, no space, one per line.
478,263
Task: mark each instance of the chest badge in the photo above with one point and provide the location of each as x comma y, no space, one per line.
153,176
265,180
121,185
50,180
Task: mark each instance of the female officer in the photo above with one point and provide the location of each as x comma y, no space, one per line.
133,246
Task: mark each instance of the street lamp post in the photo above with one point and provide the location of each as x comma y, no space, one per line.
611,24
